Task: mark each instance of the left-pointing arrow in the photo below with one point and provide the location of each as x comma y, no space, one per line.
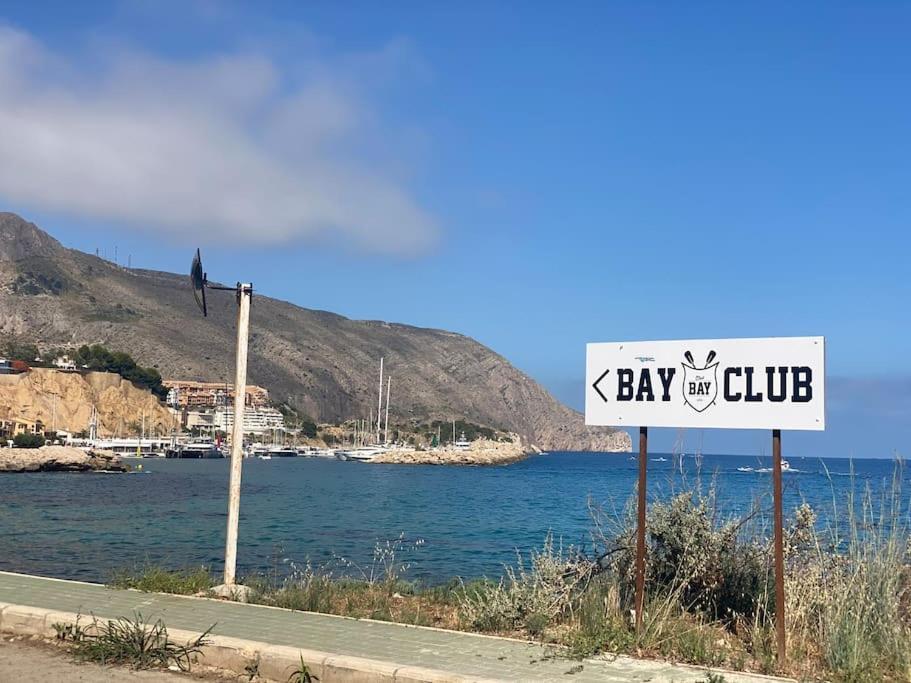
595,385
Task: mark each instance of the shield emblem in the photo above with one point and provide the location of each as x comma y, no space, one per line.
700,385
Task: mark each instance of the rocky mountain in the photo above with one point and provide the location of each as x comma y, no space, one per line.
322,363
64,400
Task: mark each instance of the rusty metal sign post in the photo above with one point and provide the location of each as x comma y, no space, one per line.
774,383
778,540
779,545
640,528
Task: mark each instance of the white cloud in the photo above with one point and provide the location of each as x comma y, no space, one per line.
228,147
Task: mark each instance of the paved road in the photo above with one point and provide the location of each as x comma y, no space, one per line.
29,662
463,653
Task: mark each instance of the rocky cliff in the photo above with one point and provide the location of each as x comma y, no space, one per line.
322,363
65,399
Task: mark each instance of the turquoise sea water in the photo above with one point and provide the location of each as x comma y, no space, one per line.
469,521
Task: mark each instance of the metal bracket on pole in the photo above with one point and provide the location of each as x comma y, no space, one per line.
640,528
779,547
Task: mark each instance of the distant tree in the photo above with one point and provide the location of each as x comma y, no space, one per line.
28,441
97,357
308,429
14,349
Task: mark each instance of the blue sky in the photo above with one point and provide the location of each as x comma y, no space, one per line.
535,175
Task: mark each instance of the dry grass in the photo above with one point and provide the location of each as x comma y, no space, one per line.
709,590
710,585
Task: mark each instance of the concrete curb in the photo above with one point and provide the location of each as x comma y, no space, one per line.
236,655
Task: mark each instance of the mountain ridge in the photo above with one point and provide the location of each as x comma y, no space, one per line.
322,363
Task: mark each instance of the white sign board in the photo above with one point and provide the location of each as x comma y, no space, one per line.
773,383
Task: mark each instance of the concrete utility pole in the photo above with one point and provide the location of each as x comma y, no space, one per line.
244,295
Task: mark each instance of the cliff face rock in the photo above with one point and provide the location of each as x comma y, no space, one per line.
58,459
323,364
66,399
20,240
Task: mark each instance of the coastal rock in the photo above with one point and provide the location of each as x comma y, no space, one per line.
58,459
481,452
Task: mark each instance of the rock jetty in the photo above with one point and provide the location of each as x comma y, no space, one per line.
481,452
58,459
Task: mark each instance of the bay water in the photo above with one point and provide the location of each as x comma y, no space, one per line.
442,521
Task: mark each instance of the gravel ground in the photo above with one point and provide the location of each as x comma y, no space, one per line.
27,661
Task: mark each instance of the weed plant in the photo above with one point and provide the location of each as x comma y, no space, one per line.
134,642
709,588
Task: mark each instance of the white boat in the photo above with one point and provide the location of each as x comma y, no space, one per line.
264,457
785,467
198,450
273,451
360,454
314,452
133,447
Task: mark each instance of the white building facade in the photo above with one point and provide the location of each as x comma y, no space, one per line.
256,420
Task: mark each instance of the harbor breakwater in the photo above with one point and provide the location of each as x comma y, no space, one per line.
481,452
59,459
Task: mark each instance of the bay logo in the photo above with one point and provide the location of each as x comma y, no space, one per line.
700,384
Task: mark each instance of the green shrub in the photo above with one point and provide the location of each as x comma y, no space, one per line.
136,643
97,357
546,589
712,567
152,579
28,441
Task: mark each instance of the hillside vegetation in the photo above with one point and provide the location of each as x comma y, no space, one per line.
322,364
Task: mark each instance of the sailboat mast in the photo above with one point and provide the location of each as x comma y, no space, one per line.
379,404
386,430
